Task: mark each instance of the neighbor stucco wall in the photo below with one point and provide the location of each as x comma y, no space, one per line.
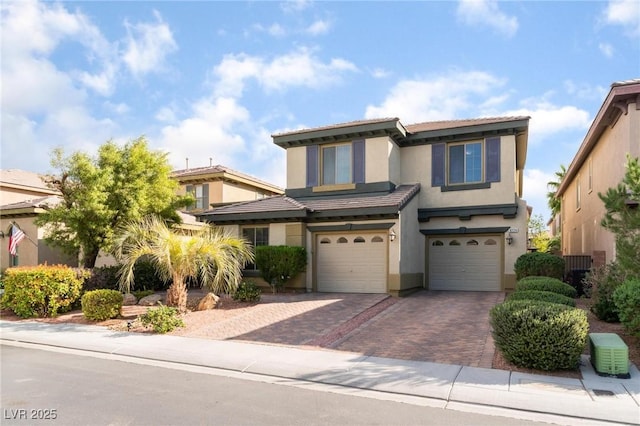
581,230
233,193
27,250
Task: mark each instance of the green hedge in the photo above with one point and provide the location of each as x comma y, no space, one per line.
247,292
162,319
542,296
539,264
278,264
546,284
42,291
627,300
540,335
103,277
100,305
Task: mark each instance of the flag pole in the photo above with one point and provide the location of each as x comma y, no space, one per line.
13,223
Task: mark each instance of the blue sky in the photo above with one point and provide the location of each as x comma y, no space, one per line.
215,79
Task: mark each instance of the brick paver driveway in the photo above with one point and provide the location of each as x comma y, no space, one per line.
438,326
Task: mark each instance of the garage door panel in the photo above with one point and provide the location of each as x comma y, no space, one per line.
470,263
352,267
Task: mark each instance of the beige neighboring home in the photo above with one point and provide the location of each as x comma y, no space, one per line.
23,196
383,207
215,186
599,165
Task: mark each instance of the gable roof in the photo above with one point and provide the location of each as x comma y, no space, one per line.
218,172
30,207
283,208
22,179
621,94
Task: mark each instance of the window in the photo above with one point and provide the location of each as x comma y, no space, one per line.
359,240
342,240
437,243
465,163
590,175
472,243
258,236
336,164
201,195
490,242
377,239
578,193
454,243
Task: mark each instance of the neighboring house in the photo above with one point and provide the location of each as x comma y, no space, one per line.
23,196
215,186
386,208
599,165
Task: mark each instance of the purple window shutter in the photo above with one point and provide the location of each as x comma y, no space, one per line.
437,164
312,165
358,161
492,159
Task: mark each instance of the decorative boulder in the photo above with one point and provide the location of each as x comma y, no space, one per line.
129,299
208,302
150,300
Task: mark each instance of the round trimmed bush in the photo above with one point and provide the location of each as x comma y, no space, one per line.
247,291
627,300
539,264
546,284
542,296
100,305
540,335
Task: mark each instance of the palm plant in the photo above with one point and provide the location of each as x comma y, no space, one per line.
552,186
214,258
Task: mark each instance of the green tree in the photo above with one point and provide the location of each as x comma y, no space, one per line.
554,202
622,217
99,194
538,234
213,258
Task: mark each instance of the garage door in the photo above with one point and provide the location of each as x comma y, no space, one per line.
352,263
470,263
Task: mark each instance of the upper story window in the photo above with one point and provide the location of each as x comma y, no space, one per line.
578,200
465,163
201,195
336,164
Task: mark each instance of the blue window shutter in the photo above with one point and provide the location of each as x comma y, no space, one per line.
205,196
492,159
358,161
437,164
312,165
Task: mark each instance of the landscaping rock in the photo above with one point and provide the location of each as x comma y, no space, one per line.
129,299
150,300
208,302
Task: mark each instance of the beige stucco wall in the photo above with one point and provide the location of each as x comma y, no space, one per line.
416,167
296,167
15,195
27,251
581,230
380,158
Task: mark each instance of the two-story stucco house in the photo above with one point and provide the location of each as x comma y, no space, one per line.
599,165
386,208
218,185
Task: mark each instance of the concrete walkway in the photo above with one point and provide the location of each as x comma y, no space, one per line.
592,400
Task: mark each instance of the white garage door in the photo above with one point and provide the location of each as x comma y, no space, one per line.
352,263
469,263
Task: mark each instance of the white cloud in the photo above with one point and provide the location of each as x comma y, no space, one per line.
295,6
585,91
535,191
319,27
438,98
606,49
625,13
548,119
119,108
380,73
296,69
211,131
148,45
486,13
166,115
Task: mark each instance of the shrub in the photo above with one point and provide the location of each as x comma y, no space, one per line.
603,281
627,300
100,305
539,264
162,319
545,336
142,293
546,284
104,277
278,264
42,290
543,296
247,292
146,277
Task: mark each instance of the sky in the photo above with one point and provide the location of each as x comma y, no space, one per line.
212,81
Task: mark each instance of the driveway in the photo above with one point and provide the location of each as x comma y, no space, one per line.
436,326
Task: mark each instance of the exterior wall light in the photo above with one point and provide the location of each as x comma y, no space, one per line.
392,235
509,239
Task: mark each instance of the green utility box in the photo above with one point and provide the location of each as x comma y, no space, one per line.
609,355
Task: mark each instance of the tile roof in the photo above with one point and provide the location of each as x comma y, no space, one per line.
452,124
40,202
335,126
278,205
197,171
25,179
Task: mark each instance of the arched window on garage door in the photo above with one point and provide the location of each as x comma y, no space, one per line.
490,242
342,240
359,240
325,241
454,243
437,243
377,239
472,243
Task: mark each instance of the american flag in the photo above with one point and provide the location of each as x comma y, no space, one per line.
14,239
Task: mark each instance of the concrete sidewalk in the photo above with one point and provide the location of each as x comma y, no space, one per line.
449,386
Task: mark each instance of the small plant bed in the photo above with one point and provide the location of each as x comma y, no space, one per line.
595,326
